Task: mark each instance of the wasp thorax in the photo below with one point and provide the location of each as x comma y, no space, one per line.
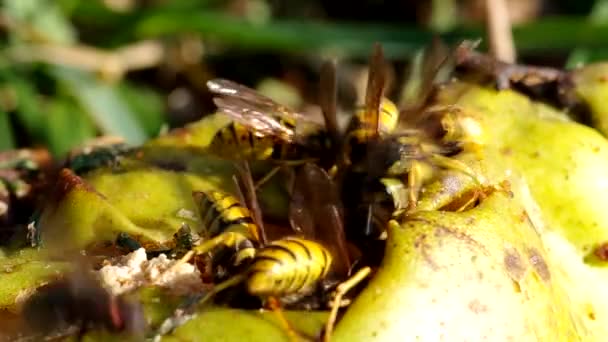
389,116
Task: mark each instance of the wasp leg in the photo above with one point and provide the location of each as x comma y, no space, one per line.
455,164
482,192
469,203
276,169
341,290
221,287
398,192
184,312
333,171
274,305
369,221
82,330
414,183
228,239
267,177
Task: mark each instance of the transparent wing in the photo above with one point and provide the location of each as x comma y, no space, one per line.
258,112
316,212
235,90
257,120
437,58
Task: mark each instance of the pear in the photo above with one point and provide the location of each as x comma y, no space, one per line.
590,84
512,268
478,275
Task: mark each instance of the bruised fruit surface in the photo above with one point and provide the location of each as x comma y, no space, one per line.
473,276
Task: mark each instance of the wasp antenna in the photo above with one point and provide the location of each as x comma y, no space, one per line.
239,192
437,56
375,87
328,98
247,192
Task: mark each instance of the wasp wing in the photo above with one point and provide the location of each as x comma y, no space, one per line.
316,211
259,121
235,90
260,113
327,99
435,60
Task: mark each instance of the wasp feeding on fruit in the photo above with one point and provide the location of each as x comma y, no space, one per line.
312,258
390,154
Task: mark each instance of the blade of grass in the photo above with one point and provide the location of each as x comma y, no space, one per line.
29,110
297,36
7,140
66,126
560,33
103,103
39,19
580,55
546,34
146,104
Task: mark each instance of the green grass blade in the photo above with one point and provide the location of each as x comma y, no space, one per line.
7,140
296,36
67,127
560,33
103,103
29,109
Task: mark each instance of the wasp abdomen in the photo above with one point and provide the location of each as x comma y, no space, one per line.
221,212
224,218
288,266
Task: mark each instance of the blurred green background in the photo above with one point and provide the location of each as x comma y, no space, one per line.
71,70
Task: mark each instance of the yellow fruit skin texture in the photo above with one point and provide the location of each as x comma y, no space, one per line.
474,276
149,197
591,85
563,162
564,165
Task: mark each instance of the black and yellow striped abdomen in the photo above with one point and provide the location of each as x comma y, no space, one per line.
225,221
221,212
288,266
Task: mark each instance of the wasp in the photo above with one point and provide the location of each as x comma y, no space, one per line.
390,154
226,222
80,301
377,117
263,129
290,268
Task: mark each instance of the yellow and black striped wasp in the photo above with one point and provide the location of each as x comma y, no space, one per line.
265,130
391,154
313,257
